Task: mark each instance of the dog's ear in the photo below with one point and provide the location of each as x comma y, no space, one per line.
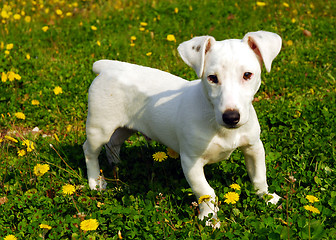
194,51
266,46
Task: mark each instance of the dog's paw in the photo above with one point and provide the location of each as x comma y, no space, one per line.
211,220
214,223
97,184
209,212
272,198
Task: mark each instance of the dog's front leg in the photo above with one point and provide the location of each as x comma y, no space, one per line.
256,167
194,173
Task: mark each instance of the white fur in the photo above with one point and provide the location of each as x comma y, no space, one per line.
186,116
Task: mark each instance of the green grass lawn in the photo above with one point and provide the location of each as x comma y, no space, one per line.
47,49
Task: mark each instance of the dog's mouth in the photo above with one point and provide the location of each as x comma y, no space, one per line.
231,126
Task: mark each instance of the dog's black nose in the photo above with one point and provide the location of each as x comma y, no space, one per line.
231,117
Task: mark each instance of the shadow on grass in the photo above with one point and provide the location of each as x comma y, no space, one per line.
137,171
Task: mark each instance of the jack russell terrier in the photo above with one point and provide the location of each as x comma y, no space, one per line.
203,120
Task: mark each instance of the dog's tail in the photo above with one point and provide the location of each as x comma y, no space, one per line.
100,65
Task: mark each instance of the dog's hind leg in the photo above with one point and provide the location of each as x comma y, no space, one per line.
96,138
116,140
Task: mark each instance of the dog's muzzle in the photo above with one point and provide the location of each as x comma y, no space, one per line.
231,118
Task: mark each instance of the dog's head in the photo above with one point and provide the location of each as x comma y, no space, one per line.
230,71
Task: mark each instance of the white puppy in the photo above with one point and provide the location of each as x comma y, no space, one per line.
204,120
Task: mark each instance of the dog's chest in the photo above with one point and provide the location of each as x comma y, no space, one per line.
220,148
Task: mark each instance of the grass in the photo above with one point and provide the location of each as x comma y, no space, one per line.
146,199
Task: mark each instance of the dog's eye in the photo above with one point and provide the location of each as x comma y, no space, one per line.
213,79
247,75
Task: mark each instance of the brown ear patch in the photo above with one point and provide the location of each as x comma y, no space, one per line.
208,46
254,47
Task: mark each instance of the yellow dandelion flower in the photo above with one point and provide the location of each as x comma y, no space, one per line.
59,12
29,145
58,90
68,14
68,128
21,153
98,43
261,4
289,42
149,54
30,148
17,16
4,77
27,19
20,115
204,198
171,38
132,44
11,76
89,225
285,4
93,28
7,52
45,28
35,102
68,189
171,153
143,24
17,76
176,10
235,186
11,139
312,198
9,46
159,156
312,209
4,14
231,197
142,29
45,226
27,56
10,237
41,169
133,38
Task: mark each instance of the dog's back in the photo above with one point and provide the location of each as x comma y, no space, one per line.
131,96
144,78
